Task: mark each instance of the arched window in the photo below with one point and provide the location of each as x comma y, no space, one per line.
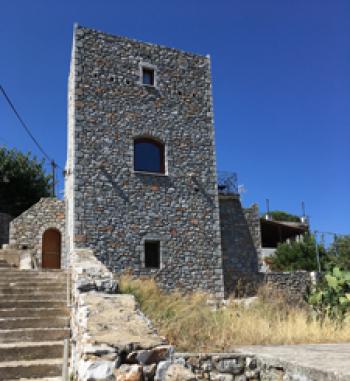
148,155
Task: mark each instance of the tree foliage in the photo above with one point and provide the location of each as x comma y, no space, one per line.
298,255
339,252
22,181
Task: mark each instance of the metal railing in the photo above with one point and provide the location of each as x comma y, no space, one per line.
227,183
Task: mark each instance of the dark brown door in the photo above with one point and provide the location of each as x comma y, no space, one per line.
51,249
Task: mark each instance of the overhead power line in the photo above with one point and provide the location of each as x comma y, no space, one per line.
53,164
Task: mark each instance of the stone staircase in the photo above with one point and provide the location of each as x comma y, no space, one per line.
34,321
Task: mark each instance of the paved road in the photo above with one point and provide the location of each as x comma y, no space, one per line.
317,361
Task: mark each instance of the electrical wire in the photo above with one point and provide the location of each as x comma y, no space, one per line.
26,128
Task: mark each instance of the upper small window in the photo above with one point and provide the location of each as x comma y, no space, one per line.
147,76
148,155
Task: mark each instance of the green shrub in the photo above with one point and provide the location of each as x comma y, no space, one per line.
331,299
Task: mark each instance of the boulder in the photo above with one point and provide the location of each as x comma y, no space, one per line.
96,370
231,366
150,356
149,371
168,371
221,377
129,373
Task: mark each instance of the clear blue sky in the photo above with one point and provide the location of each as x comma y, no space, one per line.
281,80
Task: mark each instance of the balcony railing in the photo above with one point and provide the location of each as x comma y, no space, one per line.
227,183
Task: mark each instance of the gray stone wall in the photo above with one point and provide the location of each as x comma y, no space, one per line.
113,209
252,217
239,252
28,228
293,286
5,220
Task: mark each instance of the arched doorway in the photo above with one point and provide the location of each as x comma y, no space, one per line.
51,249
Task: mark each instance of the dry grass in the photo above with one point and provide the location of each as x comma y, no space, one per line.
190,323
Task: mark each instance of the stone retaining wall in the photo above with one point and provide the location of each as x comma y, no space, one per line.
111,338
292,285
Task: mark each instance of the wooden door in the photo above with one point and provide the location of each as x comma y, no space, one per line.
51,249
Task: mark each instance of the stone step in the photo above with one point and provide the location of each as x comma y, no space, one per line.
38,297
4,264
6,277
31,369
32,284
33,271
33,334
31,350
34,312
34,322
9,277
27,303
33,290
37,379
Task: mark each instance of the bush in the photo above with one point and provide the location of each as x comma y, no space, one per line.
331,299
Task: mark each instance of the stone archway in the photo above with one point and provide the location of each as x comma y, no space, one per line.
51,249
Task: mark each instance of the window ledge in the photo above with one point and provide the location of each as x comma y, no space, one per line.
150,173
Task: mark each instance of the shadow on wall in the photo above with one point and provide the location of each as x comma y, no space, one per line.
5,220
238,250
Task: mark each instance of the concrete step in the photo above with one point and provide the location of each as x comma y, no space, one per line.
34,322
27,303
34,312
31,351
33,334
38,297
30,369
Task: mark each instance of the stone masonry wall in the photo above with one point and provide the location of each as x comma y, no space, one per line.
292,285
113,209
252,217
28,228
239,252
5,220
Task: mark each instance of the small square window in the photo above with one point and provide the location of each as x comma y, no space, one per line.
152,254
147,76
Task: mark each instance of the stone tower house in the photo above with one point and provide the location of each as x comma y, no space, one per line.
141,186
